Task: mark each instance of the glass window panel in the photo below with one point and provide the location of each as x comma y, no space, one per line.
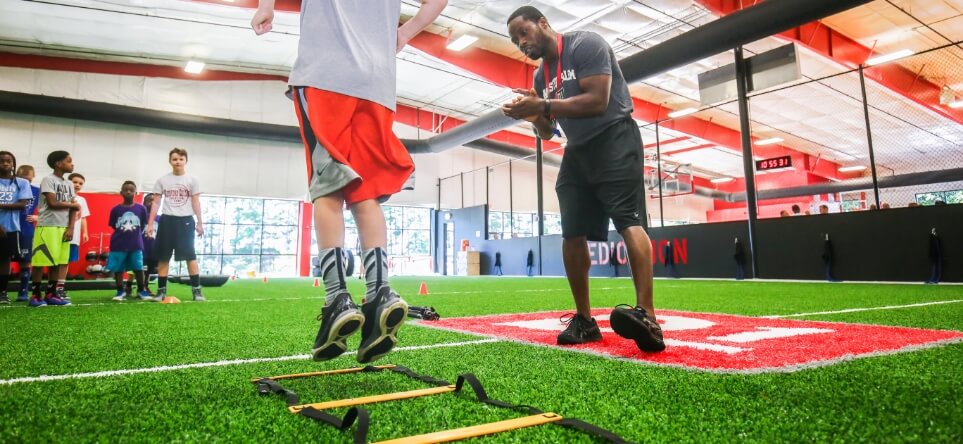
212,209
240,264
553,224
281,212
212,241
244,211
417,218
349,219
523,224
954,197
393,217
928,198
209,263
279,265
416,242
351,240
280,240
495,222
244,239
395,242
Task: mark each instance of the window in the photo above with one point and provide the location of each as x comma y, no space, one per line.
409,238
503,225
247,235
949,197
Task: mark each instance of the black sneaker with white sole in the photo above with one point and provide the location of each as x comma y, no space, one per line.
579,331
339,319
383,316
634,323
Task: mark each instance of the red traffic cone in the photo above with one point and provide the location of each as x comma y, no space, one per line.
317,282
423,289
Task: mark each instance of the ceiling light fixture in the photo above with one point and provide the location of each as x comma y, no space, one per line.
683,112
769,141
851,169
194,67
880,59
722,180
462,42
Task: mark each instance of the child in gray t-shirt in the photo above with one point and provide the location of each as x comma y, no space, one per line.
55,224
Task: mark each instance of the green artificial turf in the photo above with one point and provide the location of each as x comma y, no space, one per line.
906,397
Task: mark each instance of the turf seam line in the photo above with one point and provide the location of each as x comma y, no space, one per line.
166,368
856,310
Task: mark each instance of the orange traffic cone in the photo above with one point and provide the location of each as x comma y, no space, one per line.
423,289
233,277
317,282
264,280
171,300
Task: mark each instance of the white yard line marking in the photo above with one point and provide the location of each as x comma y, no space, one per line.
854,310
167,368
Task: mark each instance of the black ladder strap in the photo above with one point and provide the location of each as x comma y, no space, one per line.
572,423
267,386
409,373
354,415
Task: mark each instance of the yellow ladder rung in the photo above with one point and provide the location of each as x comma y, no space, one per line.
478,430
328,372
373,399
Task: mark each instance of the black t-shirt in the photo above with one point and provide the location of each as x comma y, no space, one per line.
585,54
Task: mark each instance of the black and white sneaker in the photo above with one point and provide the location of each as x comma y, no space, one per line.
339,319
579,331
3,298
384,315
196,293
161,294
634,323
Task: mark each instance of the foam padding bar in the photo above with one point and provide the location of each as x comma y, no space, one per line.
373,399
328,372
478,430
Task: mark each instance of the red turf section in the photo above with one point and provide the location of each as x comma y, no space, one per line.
719,343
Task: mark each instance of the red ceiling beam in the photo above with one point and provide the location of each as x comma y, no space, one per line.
667,142
849,52
123,68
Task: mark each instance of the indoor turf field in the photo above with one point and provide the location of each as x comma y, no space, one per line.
250,328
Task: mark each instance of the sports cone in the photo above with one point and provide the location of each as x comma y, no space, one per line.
233,277
317,282
423,289
171,300
264,280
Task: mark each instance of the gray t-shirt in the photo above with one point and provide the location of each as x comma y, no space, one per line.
585,54
63,191
176,193
348,47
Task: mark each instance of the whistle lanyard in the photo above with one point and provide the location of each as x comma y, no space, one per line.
558,70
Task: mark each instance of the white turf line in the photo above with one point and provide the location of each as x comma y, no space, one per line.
854,310
167,368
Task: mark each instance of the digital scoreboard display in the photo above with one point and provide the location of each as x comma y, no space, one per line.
774,163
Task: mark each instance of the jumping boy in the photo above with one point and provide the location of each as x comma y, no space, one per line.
127,242
15,195
55,229
28,222
181,200
343,86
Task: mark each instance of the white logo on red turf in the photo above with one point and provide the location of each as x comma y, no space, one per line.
719,342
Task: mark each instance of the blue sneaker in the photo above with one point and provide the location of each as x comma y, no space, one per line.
37,302
121,296
56,300
144,295
23,296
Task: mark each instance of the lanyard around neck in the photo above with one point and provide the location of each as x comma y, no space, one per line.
558,70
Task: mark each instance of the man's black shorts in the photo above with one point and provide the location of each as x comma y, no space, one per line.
602,179
175,236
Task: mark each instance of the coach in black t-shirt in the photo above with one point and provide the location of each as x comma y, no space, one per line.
579,86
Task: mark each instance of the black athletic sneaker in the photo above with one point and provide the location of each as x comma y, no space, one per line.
339,319
634,323
383,316
579,331
3,298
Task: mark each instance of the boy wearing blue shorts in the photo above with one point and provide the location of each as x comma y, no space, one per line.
14,197
28,224
127,242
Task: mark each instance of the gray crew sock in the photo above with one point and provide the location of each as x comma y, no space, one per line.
375,271
332,272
